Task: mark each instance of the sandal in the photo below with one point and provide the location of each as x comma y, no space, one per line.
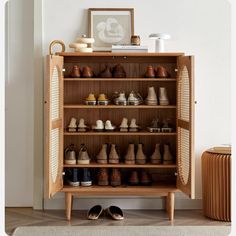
115,212
94,212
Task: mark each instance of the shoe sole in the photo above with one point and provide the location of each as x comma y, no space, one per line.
104,103
115,183
74,184
68,162
130,162
103,183
113,161
83,162
86,184
101,161
140,162
90,102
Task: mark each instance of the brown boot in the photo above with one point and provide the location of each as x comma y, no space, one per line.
167,156
102,155
145,178
140,156
113,156
130,155
156,156
115,177
75,72
133,179
103,177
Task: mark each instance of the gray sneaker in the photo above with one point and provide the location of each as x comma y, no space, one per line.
83,157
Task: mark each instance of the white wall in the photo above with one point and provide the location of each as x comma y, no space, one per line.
19,105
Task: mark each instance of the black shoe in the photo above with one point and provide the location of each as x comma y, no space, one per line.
86,179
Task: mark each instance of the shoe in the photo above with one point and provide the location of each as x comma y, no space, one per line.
167,156
118,71
113,155
134,99
115,212
163,98
75,72
115,178
82,127
152,97
150,72
166,127
133,179
156,156
90,100
70,155
106,73
99,127
161,72
102,99
94,212
130,155
145,179
120,99
72,176
86,177
102,155
103,177
83,157
109,126
87,72
155,126
72,127
124,125
140,156
133,127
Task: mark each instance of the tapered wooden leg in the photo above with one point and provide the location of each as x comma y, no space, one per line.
171,205
68,205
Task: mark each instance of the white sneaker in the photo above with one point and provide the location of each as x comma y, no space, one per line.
81,126
134,99
99,126
124,125
121,99
152,97
163,98
72,126
133,126
109,126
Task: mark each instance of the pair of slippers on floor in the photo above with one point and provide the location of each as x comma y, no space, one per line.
115,212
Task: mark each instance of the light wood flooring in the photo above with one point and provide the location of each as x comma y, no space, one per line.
28,217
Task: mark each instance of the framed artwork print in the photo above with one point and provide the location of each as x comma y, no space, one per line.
110,26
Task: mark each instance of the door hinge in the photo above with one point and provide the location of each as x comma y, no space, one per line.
176,70
63,173
63,70
176,174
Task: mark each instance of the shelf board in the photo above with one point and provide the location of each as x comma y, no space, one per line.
76,106
121,165
121,79
117,133
154,190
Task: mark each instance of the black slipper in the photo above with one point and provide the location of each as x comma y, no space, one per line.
94,212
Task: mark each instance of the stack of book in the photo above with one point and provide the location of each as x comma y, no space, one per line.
129,48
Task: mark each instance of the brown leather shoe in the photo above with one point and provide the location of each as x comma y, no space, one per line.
115,178
118,71
87,72
156,156
103,177
140,156
150,72
133,179
75,72
161,72
130,155
106,73
113,155
145,178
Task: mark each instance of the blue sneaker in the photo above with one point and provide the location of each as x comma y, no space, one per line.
72,177
86,179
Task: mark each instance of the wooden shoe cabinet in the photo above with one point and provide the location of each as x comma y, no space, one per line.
64,98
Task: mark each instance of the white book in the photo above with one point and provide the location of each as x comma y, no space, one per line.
129,47
128,50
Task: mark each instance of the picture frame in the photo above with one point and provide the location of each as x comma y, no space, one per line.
110,26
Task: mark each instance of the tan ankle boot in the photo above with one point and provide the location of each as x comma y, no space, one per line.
140,156
130,155
103,177
113,156
167,157
115,177
102,155
156,156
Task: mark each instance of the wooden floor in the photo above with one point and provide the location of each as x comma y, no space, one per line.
27,217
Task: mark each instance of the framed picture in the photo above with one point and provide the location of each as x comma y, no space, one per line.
110,26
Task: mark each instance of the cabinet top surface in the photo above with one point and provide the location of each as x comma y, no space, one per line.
109,54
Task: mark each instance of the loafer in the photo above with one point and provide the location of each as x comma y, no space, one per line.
115,212
94,212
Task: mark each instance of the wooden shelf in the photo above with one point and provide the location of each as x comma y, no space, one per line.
94,190
141,133
122,79
76,106
121,165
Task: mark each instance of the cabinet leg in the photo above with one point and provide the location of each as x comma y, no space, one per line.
167,204
170,205
68,205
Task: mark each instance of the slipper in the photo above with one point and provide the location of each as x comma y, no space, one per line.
94,212
115,212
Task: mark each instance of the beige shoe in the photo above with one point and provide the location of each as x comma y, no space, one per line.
83,157
102,155
130,155
167,156
163,98
113,156
140,156
151,97
72,126
124,125
156,156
